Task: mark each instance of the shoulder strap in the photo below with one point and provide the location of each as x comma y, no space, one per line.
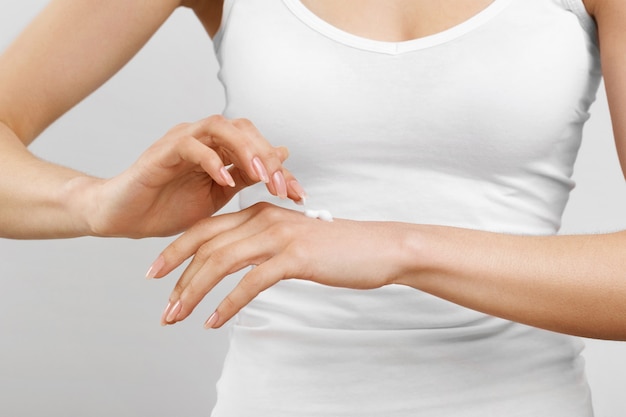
586,21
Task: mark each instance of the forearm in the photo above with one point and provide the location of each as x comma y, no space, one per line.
568,284
39,199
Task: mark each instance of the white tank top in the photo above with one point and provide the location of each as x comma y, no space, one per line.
477,126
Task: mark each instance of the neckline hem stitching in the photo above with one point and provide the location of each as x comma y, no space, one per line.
388,47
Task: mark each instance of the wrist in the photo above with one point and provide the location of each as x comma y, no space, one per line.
79,199
418,256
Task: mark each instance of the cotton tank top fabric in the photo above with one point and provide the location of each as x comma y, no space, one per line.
478,127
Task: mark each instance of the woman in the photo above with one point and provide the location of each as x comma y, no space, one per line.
424,128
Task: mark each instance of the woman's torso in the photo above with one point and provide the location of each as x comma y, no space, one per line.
475,126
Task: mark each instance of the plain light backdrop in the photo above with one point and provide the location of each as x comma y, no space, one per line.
79,328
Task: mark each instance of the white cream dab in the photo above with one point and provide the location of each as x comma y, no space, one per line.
319,214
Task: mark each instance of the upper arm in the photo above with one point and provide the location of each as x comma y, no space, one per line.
610,16
67,52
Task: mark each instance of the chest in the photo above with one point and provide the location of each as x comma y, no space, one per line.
395,20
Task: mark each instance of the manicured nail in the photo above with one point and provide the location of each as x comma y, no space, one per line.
228,179
211,321
260,170
171,316
280,184
164,315
156,267
297,188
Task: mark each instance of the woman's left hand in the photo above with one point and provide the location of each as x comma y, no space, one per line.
281,244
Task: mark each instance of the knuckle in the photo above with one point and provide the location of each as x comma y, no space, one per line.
209,125
260,207
229,303
219,257
215,123
216,119
175,250
211,162
180,127
184,140
282,152
205,252
243,123
273,153
270,213
193,290
281,231
250,285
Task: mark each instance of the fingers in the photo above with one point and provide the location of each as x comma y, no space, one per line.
190,242
223,245
190,150
239,142
209,267
252,284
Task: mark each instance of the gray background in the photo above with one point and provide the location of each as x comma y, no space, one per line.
80,333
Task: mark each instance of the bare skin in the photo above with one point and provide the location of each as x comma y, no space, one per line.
395,21
570,284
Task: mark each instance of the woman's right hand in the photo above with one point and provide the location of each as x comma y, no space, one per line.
59,60
187,175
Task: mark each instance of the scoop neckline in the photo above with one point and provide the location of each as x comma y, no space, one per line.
356,41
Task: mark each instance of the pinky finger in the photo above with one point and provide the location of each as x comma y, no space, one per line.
252,284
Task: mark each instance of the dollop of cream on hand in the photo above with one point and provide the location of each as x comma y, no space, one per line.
319,214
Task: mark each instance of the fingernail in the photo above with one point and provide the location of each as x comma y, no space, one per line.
171,316
211,321
228,179
280,184
297,188
259,169
156,267
164,315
